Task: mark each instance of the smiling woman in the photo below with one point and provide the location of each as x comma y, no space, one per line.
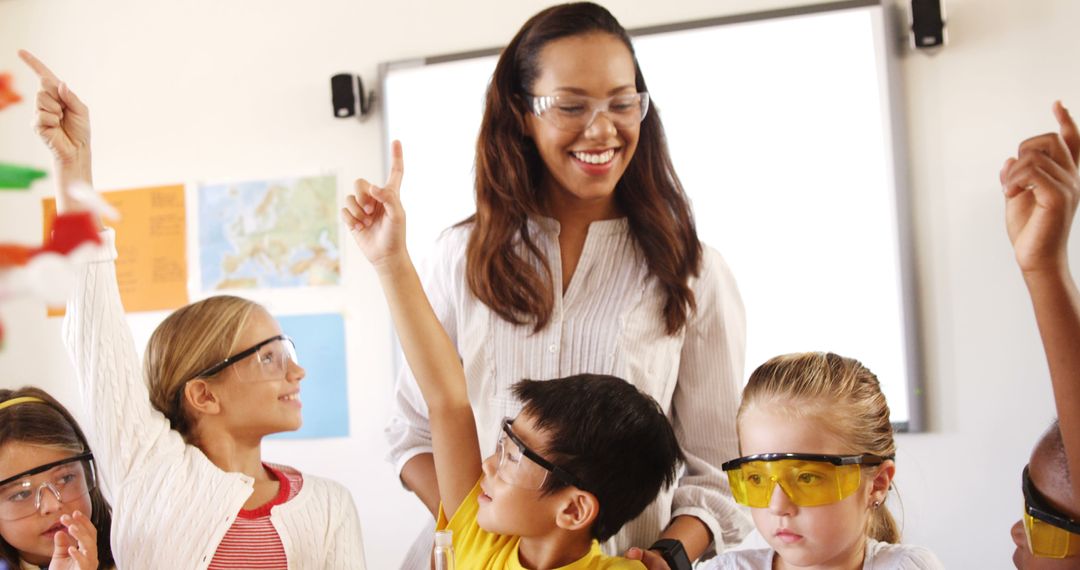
183,449
582,256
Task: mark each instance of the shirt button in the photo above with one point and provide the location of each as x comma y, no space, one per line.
553,349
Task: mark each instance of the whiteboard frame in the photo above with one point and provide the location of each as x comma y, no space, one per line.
893,36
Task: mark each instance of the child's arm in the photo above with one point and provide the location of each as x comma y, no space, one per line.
1042,189
376,220
126,433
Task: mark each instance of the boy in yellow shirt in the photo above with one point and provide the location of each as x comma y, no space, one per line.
586,455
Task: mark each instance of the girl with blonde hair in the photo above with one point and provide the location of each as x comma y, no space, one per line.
818,461
182,451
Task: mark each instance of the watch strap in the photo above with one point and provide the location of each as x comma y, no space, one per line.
673,552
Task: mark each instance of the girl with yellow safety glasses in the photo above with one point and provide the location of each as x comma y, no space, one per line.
1042,189
818,465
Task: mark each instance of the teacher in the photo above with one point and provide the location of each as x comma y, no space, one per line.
583,257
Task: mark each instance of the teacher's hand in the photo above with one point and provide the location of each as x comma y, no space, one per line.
651,560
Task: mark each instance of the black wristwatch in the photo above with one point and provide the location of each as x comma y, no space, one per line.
673,552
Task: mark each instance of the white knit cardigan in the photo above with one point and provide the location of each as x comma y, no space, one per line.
171,505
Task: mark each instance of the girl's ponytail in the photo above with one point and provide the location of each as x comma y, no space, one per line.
883,527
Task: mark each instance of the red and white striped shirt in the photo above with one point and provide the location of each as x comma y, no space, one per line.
252,542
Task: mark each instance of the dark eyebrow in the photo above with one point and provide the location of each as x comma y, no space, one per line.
580,91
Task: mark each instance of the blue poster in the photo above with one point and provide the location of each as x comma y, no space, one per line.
320,347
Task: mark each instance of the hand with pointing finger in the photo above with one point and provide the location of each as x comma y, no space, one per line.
375,218
63,123
1042,190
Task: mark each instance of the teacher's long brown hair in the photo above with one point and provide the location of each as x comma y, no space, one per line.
506,270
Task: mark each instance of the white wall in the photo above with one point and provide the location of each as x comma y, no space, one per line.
207,90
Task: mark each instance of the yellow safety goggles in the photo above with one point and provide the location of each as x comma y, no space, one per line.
1049,533
808,480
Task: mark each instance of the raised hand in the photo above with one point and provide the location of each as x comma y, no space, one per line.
63,121
1042,190
375,217
76,547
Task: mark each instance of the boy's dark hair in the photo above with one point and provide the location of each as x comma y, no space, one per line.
1055,448
612,437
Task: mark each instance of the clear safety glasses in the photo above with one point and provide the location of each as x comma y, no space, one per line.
808,480
577,112
273,359
67,480
522,467
1049,533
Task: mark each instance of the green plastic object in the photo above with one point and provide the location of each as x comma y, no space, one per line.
13,177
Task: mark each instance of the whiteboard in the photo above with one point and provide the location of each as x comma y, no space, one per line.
782,129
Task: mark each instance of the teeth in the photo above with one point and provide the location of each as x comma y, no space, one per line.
594,157
290,397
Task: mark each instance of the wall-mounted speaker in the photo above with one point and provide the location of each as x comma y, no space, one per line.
348,96
927,23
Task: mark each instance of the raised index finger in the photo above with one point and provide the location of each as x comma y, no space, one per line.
397,166
39,68
1069,131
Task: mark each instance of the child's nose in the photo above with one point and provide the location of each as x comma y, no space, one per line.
48,502
294,372
490,465
780,504
1018,535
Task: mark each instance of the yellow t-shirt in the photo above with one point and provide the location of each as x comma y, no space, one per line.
478,549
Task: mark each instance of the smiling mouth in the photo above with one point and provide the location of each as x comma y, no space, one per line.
291,397
595,158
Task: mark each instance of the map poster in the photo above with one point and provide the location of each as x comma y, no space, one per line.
269,234
320,347
151,266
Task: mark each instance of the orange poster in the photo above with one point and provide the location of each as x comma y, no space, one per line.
151,242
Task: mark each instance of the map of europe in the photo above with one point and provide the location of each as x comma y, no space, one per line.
270,233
